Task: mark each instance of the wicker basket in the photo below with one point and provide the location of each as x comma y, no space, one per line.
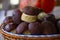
11,36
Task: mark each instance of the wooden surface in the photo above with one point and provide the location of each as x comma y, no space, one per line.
56,12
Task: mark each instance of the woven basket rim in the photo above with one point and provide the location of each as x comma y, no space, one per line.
21,35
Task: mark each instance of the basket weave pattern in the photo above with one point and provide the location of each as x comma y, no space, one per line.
13,37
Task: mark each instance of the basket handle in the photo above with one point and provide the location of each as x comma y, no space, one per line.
1,26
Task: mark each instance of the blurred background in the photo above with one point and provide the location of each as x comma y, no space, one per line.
12,4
